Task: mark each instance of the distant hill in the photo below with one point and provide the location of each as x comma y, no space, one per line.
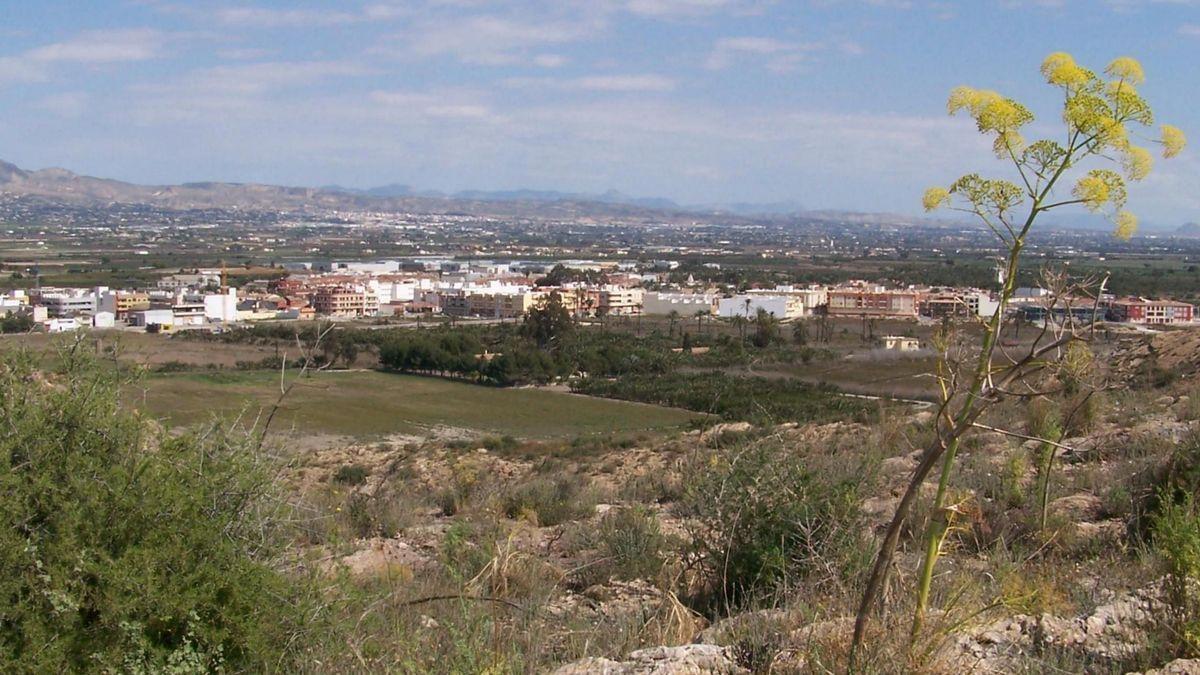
1190,230
63,186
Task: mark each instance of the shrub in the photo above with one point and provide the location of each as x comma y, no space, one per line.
374,516
765,522
351,474
548,500
1177,540
500,443
631,540
126,548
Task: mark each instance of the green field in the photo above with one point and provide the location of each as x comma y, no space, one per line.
371,404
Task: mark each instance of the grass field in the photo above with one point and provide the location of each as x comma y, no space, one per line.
371,404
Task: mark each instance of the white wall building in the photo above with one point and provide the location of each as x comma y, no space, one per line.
686,304
104,320
162,317
221,306
746,305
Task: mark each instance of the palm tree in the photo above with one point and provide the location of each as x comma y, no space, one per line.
672,319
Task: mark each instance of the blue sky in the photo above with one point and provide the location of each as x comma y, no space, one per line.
829,103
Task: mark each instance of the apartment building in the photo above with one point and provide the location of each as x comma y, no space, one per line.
343,301
1150,312
121,303
873,302
617,301
65,302
493,304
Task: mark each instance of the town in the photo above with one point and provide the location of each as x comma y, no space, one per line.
436,287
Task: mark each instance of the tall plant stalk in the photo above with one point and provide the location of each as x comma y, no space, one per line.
1096,113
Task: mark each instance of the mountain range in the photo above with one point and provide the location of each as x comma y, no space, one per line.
64,186
61,185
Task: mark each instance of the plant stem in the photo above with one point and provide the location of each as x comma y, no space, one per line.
938,525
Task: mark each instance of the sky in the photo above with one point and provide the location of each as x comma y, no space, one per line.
831,104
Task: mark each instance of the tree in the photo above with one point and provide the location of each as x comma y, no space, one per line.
766,328
1099,116
672,321
800,332
547,323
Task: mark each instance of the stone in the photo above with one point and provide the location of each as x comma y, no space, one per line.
693,659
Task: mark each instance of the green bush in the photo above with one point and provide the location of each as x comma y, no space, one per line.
125,548
632,543
548,500
1177,541
351,474
765,523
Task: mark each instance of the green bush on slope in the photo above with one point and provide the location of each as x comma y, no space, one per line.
124,548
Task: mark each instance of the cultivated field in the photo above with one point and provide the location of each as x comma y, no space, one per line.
371,404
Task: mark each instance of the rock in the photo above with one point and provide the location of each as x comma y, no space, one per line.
1081,507
693,659
894,467
728,427
380,556
728,631
1110,532
1113,631
1177,667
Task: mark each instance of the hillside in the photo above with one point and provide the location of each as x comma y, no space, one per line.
68,187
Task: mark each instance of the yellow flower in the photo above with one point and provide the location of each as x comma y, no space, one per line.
1093,191
1126,68
1006,142
1137,162
935,197
1121,88
1112,133
1002,114
960,97
1173,140
1060,69
1127,224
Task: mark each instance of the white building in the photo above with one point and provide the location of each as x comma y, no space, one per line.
686,304
900,343
981,303
162,317
104,320
747,305
13,301
221,306
810,296
64,302
61,325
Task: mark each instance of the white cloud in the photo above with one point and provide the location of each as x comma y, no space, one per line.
777,55
662,8
550,60
283,18
1190,30
625,83
94,47
599,83
489,39
67,104
441,105
91,48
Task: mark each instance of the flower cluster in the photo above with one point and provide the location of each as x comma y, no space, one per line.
1098,115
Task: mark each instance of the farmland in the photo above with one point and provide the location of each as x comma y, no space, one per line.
371,404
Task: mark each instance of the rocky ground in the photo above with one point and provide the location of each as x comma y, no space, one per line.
1085,593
